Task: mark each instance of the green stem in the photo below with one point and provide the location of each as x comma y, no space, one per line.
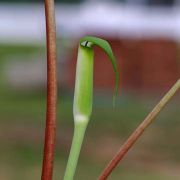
139,131
79,131
82,107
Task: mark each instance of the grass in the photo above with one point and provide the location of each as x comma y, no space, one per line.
7,50
22,136
23,162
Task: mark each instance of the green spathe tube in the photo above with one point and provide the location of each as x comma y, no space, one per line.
84,83
83,95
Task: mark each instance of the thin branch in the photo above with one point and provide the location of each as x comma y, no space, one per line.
138,132
50,131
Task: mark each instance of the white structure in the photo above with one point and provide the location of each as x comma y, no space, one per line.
26,23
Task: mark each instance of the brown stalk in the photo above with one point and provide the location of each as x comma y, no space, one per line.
138,132
50,130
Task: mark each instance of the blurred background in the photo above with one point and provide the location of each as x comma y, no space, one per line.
144,35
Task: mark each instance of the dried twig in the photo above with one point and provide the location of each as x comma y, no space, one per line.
138,132
50,131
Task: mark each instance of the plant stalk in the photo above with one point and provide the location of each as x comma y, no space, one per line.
83,95
138,132
78,137
50,130
82,106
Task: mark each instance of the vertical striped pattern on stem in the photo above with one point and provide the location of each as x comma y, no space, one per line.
50,130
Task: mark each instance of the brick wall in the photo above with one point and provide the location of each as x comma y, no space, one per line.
145,65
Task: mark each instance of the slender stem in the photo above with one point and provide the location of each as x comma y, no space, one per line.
50,131
138,132
79,131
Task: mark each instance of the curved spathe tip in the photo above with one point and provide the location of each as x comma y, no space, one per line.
89,42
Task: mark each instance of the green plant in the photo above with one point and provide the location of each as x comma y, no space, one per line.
82,107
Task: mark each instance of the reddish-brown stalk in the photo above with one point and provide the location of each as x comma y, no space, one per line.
138,132
50,130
